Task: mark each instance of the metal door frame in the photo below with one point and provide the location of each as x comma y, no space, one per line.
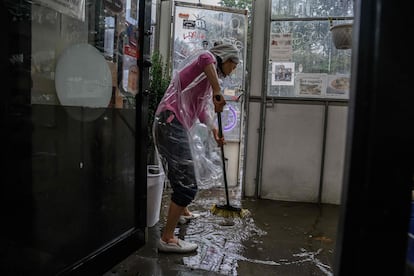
243,97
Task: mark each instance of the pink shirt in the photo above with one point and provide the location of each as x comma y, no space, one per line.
193,102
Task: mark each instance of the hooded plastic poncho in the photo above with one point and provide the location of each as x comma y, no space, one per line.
189,96
225,52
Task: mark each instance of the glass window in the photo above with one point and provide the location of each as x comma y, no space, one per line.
303,60
101,47
311,8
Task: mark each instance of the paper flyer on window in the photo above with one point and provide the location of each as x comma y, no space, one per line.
73,8
283,73
338,86
280,47
310,85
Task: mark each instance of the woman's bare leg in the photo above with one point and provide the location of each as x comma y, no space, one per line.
174,213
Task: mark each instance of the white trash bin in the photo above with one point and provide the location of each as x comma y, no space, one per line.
155,185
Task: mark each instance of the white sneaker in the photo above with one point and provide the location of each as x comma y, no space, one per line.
182,220
185,219
192,216
180,247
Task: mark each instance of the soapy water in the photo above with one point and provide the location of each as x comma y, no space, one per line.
221,241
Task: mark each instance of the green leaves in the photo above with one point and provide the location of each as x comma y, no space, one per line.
159,80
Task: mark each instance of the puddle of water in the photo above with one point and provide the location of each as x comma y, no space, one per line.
221,240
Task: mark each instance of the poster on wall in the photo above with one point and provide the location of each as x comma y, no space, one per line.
310,85
73,8
281,47
283,73
338,86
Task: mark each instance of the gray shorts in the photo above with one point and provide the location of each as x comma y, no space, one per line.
172,142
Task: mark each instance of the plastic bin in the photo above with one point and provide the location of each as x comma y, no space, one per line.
155,185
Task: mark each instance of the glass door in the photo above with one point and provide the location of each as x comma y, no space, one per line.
73,126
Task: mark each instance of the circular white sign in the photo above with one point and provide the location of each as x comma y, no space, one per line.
83,77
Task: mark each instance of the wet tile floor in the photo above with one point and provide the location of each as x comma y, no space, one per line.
277,238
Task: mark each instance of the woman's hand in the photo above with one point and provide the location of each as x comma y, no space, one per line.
219,102
220,140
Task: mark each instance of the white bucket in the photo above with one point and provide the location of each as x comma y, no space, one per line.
155,185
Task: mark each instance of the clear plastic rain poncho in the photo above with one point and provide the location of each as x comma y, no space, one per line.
194,108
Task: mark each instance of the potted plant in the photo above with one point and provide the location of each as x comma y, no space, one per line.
342,35
159,81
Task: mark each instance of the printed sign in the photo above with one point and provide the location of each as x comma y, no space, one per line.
283,73
310,85
281,47
189,24
338,86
